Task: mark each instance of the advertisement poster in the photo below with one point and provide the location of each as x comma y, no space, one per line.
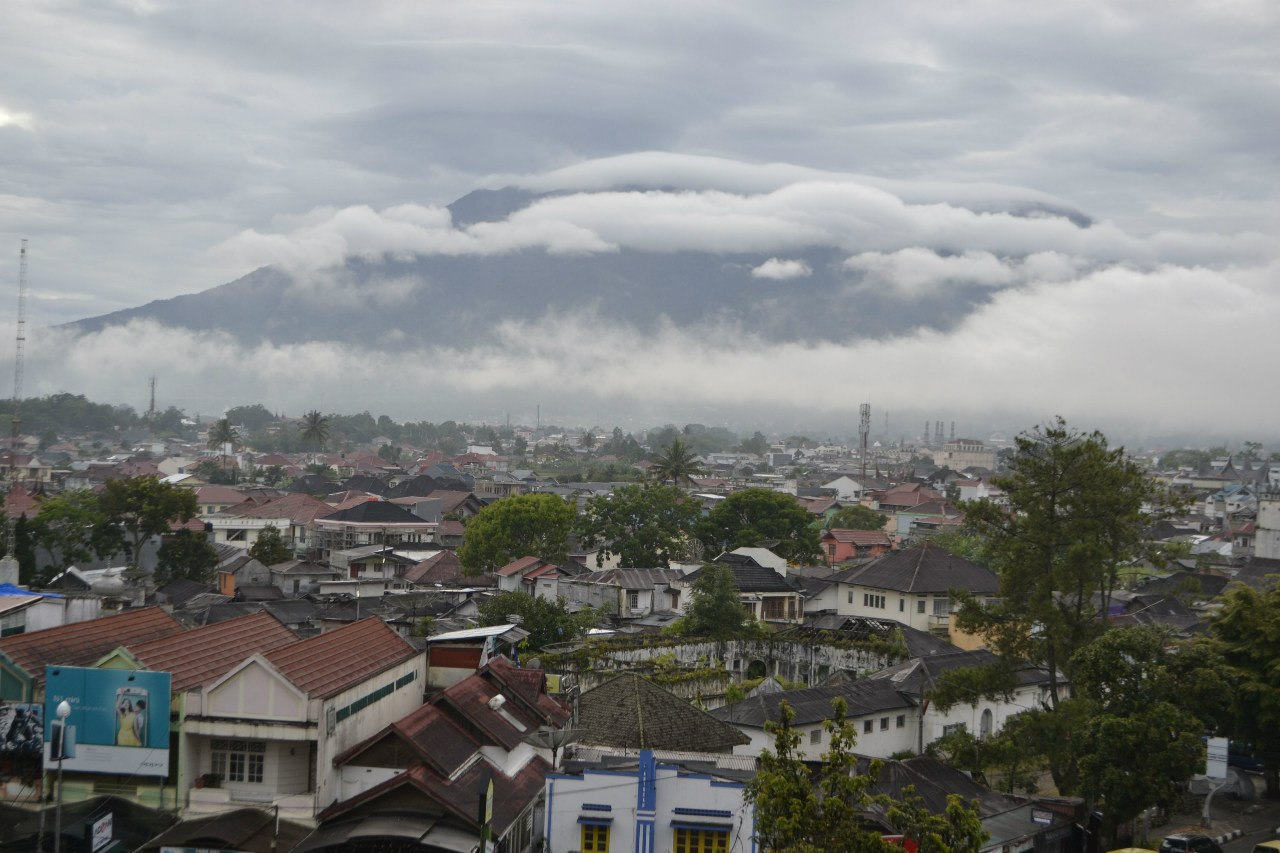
22,729
119,720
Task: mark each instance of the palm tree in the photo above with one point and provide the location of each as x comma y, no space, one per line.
315,431
221,434
678,461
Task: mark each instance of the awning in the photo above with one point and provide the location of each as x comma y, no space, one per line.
703,825
592,820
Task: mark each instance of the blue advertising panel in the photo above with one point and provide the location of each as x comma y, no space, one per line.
119,721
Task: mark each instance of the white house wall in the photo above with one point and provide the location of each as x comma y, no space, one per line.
363,724
567,795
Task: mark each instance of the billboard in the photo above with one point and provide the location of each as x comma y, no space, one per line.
119,720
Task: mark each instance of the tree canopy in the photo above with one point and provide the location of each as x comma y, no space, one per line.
715,609
798,811
144,507
856,517
645,525
761,517
678,461
1073,517
523,525
185,554
1246,632
270,547
546,621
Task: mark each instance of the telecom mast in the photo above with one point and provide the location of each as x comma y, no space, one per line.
864,429
19,354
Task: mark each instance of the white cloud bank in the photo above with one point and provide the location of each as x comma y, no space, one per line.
1112,346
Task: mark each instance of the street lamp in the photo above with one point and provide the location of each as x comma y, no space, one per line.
64,711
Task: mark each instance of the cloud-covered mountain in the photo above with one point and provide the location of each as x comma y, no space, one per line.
667,285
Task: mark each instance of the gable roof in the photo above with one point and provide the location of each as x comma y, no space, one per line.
857,537
444,567
923,568
813,704
297,507
198,656
632,712
752,578
84,643
329,663
518,566
375,512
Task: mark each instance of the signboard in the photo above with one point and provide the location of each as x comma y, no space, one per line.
21,729
1215,760
1044,817
119,719
100,836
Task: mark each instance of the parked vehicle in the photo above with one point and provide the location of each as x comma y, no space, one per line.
1187,842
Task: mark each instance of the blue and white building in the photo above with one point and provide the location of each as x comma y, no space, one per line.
647,807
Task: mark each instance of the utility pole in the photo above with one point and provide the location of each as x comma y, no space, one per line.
864,429
151,409
19,356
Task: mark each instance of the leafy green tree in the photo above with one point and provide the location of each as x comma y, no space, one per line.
546,621
24,550
800,811
645,525
1074,516
314,431
143,507
211,472
1246,631
223,434
675,463
757,444
73,528
856,517
524,525
1144,700
1007,759
761,517
270,548
253,417
715,609
391,453
185,554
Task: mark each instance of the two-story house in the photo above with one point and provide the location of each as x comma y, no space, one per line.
914,586
268,729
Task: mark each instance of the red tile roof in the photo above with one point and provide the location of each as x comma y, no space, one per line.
298,508
518,567
19,501
83,643
511,794
201,655
334,661
858,537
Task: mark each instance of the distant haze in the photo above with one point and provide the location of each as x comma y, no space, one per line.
734,214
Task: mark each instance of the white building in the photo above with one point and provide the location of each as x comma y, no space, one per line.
647,807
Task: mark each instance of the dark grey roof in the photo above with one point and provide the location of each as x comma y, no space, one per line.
180,590
632,712
923,568
366,483
1259,572
813,704
753,578
376,512
918,675
258,592
304,567
632,578
933,782
292,611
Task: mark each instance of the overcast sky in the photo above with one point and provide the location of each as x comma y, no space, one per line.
150,149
